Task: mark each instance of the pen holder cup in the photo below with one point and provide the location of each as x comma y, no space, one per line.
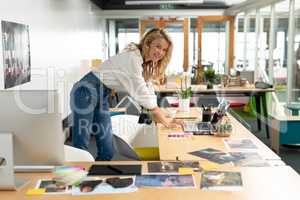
206,116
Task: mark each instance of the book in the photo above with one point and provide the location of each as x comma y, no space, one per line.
172,167
221,180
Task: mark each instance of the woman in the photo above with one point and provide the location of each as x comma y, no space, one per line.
130,71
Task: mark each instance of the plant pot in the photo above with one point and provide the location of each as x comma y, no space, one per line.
184,105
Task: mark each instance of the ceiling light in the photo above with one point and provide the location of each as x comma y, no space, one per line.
157,2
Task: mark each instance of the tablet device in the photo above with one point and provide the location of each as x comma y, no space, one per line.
109,170
198,128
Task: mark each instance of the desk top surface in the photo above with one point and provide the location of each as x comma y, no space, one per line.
260,183
170,149
202,89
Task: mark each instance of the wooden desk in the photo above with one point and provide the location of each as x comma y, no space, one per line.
259,94
261,183
201,89
170,149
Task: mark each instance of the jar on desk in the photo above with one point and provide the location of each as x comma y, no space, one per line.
223,128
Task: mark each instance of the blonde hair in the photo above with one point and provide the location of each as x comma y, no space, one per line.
157,70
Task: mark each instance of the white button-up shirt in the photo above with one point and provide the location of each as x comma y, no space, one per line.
123,72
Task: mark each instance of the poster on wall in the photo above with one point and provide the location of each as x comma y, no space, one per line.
16,53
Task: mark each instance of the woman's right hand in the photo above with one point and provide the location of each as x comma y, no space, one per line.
159,117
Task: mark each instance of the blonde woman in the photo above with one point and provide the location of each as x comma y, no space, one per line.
131,71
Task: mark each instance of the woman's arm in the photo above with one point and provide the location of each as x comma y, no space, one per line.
158,116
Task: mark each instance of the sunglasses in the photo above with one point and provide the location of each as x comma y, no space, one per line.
115,182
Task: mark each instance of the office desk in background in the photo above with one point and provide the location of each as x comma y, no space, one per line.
259,94
259,183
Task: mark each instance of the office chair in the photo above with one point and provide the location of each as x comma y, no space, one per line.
73,154
141,138
122,150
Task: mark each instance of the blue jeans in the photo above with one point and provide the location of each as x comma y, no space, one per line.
90,112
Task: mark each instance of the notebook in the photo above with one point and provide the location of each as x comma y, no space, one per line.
96,170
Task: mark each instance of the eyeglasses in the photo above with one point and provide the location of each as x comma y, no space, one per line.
115,182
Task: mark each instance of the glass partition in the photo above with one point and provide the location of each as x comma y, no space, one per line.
176,33
214,45
296,62
280,49
239,42
263,47
250,42
193,44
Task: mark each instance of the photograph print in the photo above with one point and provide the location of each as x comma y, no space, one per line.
16,53
171,167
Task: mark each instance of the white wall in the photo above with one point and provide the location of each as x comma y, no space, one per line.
63,34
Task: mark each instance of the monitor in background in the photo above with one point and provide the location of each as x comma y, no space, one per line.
34,119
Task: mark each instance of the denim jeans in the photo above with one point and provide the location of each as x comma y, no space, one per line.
90,113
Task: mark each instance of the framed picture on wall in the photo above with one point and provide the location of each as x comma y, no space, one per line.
16,53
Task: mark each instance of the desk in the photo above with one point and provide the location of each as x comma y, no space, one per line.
259,94
261,183
170,149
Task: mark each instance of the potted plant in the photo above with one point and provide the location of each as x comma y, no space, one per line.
184,94
210,76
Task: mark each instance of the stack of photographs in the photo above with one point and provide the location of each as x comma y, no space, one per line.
240,159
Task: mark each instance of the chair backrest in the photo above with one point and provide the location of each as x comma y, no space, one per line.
73,154
122,150
133,133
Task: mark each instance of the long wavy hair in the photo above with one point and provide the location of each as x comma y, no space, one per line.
151,70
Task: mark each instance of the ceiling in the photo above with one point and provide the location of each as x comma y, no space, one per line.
203,4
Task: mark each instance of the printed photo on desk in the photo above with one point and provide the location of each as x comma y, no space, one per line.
53,187
240,144
172,167
165,181
95,185
221,180
214,155
248,159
